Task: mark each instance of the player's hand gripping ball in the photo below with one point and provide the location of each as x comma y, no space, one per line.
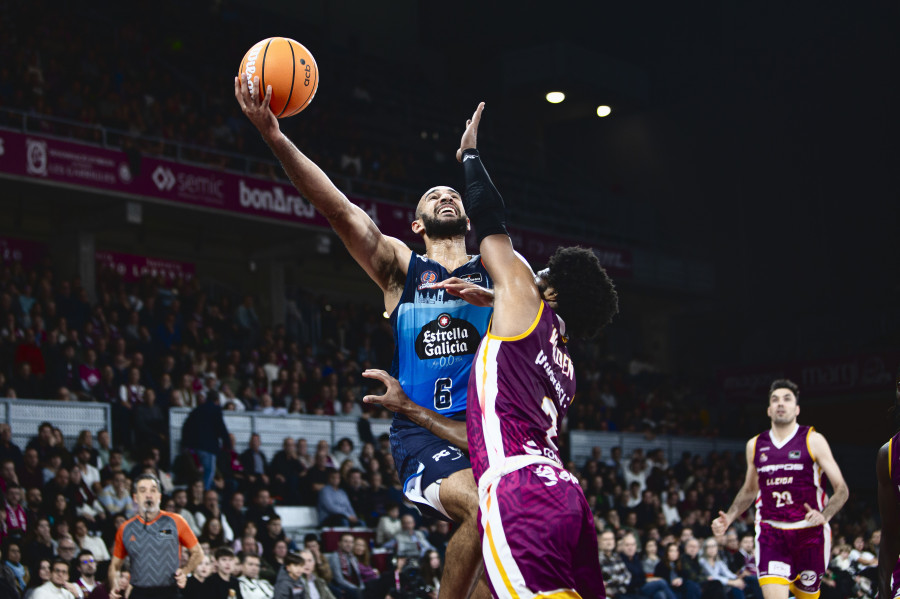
288,67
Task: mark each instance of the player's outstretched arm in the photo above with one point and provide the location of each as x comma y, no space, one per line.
823,456
890,522
516,297
745,496
395,400
379,255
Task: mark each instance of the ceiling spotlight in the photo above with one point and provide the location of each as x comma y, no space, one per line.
603,111
556,97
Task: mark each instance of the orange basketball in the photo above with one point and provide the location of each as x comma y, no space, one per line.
288,67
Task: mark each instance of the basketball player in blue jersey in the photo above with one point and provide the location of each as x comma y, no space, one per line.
437,333
537,529
787,468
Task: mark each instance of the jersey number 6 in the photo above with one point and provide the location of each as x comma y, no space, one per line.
442,397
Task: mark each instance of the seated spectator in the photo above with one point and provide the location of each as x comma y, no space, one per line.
715,569
212,533
639,585
194,586
16,522
179,500
289,583
323,568
347,581
211,511
41,576
409,542
12,551
220,583
671,569
276,556
616,576
87,542
84,502
288,474
252,586
364,557
58,585
261,510
343,450
273,533
8,449
255,464
116,498
651,557
86,566
39,544
335,508
313,584
31,474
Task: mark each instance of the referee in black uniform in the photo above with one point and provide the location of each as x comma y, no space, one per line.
153,539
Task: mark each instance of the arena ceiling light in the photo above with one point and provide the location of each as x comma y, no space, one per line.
603,110
555,97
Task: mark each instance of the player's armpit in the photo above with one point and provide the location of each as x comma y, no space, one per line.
516,297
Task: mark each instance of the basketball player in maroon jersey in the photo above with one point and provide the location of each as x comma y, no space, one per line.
787,467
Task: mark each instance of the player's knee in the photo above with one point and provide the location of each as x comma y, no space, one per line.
459,496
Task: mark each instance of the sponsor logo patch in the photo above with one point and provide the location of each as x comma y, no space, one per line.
446,336
794,455
779,569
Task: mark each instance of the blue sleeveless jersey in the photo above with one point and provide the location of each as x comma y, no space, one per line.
437,335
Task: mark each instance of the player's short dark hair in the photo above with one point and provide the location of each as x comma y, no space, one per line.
785,384
586,297
292,559
223,552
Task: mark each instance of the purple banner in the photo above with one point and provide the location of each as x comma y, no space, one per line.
865,373
57,161
21,250
133,268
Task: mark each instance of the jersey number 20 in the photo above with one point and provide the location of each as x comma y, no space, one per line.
442,397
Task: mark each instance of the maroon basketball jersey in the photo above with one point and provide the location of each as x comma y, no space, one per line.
523,385
788,477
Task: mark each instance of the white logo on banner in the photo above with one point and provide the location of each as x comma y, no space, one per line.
36,151
2,149
163,178
124,173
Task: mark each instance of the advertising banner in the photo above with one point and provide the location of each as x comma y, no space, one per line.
57,161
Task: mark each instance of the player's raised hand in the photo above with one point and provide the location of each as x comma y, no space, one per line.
256,108
472,293
814,517
470,135
720,524
394,399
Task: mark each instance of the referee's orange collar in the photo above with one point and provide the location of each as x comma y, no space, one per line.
159,515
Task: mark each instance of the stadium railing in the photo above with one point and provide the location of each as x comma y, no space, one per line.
25,415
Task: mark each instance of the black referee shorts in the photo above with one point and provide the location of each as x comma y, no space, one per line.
155,593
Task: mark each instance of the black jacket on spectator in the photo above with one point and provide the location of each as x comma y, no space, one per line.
204,428
638,578
216,588
11,452
248,462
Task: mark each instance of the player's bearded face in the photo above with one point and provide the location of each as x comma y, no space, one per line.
444,226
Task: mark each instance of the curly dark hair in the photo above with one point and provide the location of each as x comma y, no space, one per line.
585,295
